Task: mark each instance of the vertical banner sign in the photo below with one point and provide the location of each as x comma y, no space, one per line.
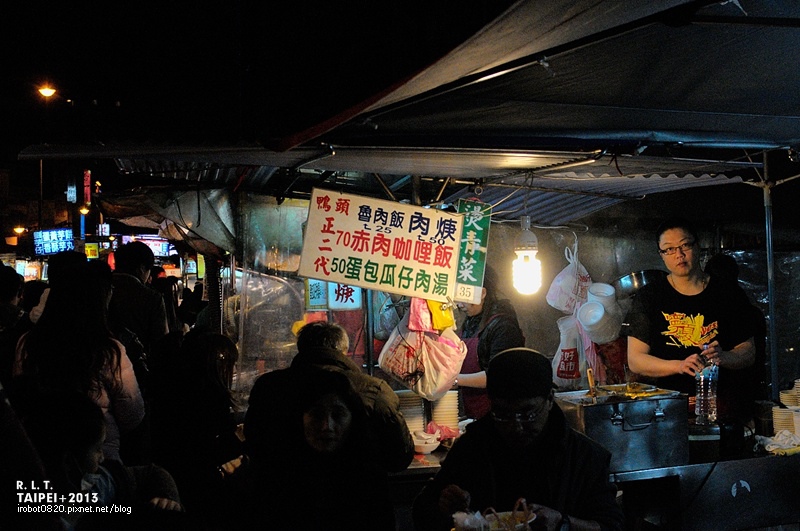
473,245
381,245
87,187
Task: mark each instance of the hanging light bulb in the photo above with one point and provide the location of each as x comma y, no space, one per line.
527,269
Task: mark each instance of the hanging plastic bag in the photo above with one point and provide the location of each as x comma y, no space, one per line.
569,363
593,360
425,362
443,355
419,319
570,287
442,318
386,317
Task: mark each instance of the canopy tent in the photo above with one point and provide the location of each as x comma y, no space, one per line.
552,109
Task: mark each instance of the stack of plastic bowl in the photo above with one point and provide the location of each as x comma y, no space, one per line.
783,419
600,325
606,295
445,410
601,315
413,410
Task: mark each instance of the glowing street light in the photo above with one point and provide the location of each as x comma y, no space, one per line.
47,91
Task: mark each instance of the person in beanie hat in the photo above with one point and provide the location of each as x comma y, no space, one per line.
525,449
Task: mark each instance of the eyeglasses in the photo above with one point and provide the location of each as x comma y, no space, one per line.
526,417
684,247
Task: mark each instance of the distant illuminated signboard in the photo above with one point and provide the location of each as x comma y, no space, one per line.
52,241
159,246
92,250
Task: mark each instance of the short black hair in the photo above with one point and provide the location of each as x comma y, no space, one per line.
10,283
62,266
322,334
129,257
676,223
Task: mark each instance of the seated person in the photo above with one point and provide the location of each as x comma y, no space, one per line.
323,345
68,431
318,477
523,449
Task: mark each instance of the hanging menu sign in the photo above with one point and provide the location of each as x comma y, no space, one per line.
381,245
472,256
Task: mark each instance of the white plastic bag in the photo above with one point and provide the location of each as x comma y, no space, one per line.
425,362
569,363
570,287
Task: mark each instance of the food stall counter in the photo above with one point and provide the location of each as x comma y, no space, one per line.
745,493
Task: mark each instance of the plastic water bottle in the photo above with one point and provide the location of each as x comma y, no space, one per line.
705,407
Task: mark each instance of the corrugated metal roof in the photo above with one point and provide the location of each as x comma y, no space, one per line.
553,187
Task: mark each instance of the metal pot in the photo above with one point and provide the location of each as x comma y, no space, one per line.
629,284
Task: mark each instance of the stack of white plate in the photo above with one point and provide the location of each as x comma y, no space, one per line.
796,390
788,397
445,410
782,419
412,409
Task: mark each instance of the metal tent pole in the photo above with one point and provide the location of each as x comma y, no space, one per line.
773,340
369,332
766,186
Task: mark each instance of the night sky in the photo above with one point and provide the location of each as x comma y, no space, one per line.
199,72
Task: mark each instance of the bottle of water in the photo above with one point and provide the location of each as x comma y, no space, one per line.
705,407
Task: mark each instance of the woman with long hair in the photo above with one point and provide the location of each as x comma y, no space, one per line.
72,348
193,422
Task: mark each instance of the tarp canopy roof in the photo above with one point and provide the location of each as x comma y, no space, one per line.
605,74
579,104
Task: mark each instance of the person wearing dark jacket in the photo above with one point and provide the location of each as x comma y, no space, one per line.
522,449
323,345
319,475
14,320
491,326
134,305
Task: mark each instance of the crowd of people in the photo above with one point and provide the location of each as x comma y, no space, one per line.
111,390
109,393
108,398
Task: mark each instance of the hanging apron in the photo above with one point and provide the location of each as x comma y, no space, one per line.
476,400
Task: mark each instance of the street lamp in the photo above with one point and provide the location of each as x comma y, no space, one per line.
47,92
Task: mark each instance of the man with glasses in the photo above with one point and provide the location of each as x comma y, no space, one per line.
678,325
525,449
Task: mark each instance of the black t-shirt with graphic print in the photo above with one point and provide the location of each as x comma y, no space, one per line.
676,325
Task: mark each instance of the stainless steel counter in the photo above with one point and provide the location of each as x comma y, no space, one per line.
735,494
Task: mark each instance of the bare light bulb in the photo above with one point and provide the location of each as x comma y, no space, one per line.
526,268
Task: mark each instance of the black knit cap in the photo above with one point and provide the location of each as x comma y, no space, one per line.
519,373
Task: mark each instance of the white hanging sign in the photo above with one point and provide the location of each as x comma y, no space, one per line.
381,245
